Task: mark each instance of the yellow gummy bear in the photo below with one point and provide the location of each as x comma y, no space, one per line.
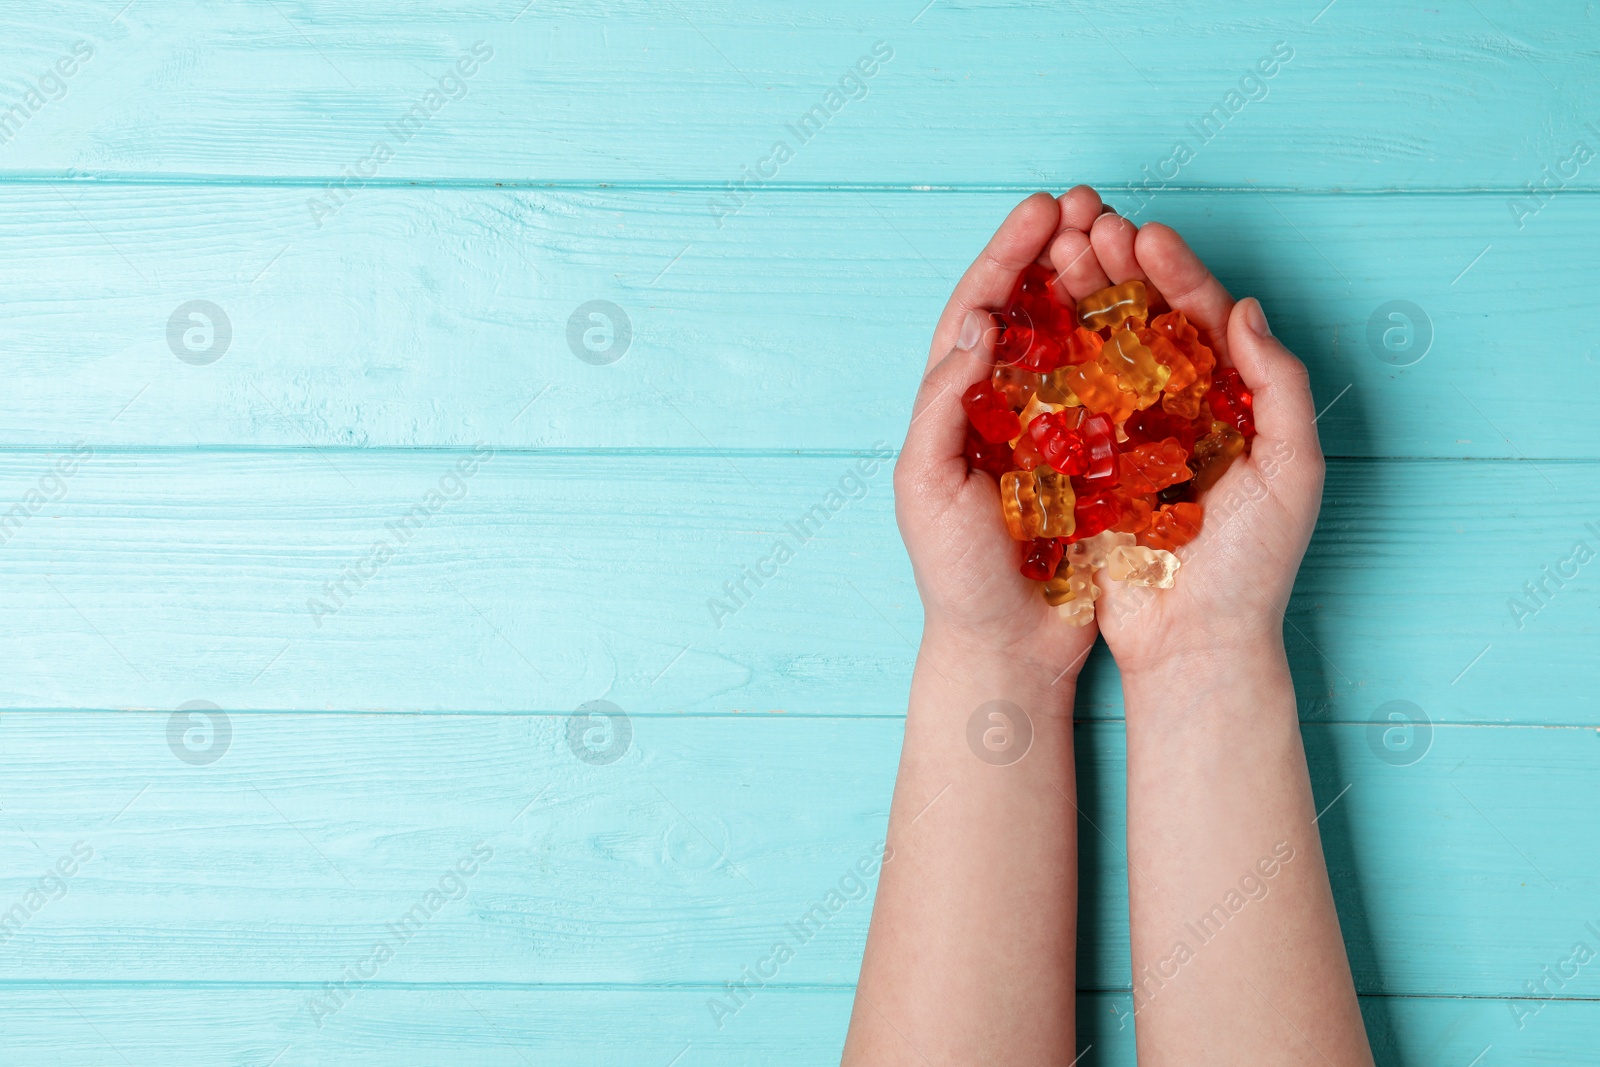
1135,366
1114,306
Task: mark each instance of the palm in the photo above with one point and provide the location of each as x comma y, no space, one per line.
1259,516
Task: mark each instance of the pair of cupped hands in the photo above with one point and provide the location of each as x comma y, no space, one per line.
1235,577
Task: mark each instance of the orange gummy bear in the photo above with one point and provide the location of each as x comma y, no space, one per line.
1113,306
1098,390
1150,468
1173,525
1037,503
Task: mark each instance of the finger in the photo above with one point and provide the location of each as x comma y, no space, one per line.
989,281
1077,269
1184,281
1112,237
935,445
1279,385
1080,206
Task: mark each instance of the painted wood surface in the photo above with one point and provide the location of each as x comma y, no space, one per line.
1362,95
440,317
68,1026
286,848
303,580
1407,191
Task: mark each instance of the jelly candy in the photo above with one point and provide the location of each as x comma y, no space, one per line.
1099,390
1136,511
1037,503
1136,369
989,413
1030,349
1034,303
1081,346
1111,307
1058,589
1102,429
1137,565
1091,552
1158,425
1099,434
1149,468
986,456
1173,525
1044,553
1017,384
1230,401
1180,372
1214,454
1095,513
1059,443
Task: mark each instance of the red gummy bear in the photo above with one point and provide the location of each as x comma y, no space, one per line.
1030,349
1153,424
1034,303
1058,443
1100,434
1231,402
1094,514
989,413
1044,555
986,456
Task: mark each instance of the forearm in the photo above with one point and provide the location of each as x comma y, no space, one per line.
1237,955
970,956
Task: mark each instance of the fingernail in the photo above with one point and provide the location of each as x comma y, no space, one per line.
971,330
1256,319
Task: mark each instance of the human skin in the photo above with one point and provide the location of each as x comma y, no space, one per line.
971,953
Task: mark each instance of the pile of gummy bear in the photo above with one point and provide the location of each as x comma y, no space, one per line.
1103,430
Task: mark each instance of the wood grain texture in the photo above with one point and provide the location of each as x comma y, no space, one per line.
70,1026
1375,96
288,858
429,318
551,580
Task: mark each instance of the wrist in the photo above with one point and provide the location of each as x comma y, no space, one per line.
1239,679
994,668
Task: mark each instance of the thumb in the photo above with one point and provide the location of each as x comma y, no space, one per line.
1278,382
936,438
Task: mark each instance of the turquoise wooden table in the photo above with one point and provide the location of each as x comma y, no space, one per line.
389,383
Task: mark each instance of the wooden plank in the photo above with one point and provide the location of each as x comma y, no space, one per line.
548,581
1365,96
428,318
77,1027
297,852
